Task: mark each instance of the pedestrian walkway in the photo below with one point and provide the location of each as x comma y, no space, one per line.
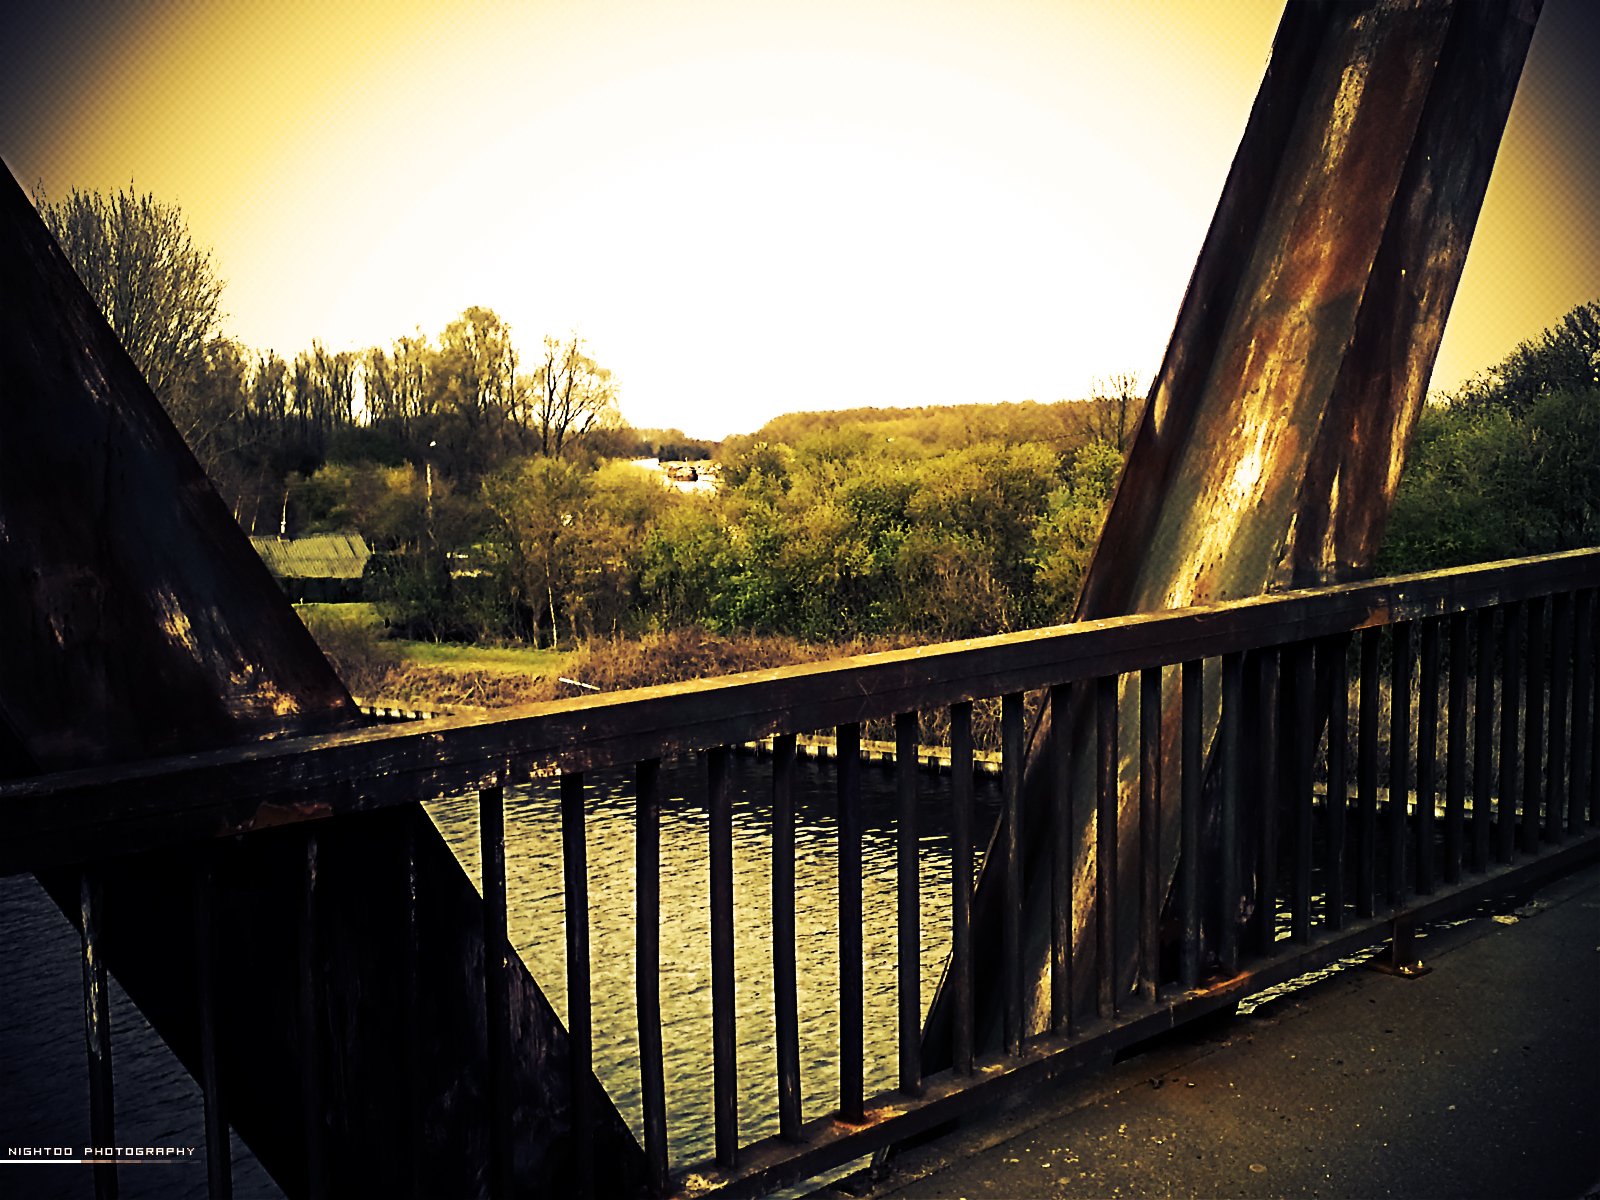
1480,1079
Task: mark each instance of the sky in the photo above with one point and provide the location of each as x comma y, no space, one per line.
745,208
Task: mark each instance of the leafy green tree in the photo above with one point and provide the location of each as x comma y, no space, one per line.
1510,464
687,565
1064,539
474,393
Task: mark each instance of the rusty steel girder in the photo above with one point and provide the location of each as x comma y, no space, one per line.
1272,442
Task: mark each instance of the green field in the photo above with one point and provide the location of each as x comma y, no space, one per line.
505,660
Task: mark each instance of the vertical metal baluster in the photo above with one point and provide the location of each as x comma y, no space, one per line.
310,1041
1011,931
909,903
1269,788
1427,753
724,1031
1367,777
1232,753
1337,651
961,1034
1533,729
580,1010
496,986
1455,785
1301,732
1483,740
1510,709
219,1152
647,967
1193,766
1582,681
1593,659
1149,831
1063,829
785,998
851,982
410,984
97,1034
1560,655
1399,759
1105,883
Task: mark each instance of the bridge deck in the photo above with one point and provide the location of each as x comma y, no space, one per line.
1476,1080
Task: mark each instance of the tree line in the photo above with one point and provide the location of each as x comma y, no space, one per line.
463,403
493,483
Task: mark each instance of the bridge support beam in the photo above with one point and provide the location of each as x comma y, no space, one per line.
1271,444
139,622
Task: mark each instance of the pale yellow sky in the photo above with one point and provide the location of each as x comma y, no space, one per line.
745,208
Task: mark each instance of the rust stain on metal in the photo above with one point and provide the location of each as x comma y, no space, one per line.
1275,430
268,815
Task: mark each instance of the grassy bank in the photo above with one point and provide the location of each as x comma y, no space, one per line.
445,675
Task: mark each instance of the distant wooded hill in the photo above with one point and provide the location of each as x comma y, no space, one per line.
941,427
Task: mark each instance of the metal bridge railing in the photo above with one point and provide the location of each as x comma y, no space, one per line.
1292,810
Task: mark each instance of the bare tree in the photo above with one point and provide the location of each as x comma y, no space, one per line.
572,394
1115,405
157,289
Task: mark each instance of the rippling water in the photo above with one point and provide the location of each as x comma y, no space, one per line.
535,899
43,1078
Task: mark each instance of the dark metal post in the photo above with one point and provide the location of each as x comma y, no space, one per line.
1301,735
97,1034
1510,707
310,1038
909,903
1427,753
1367,777
647,967
961,1036
851,982
1270,790
1150,868
1399,758
1455,787
1560,656
1582,683
1105,889
1232,753
580,1011
1483,740
1011,930
1593,659
1336,652
785,997
412,999
1533,729
1401,958
219,1152
497,1003
1193,766
724,1030
1064,835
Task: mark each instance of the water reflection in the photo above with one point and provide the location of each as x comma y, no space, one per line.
536,921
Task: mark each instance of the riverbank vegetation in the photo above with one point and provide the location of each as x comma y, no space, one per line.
493,481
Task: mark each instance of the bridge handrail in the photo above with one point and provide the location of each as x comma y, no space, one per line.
105,811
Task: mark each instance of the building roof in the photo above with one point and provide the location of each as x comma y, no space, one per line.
318,556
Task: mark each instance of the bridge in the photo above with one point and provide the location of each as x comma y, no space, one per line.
1313,845
1248,758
